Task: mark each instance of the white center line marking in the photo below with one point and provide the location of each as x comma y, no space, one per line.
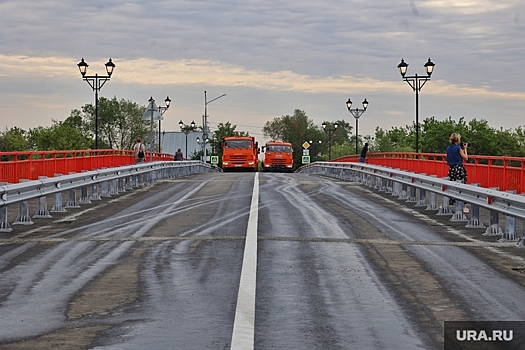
243,336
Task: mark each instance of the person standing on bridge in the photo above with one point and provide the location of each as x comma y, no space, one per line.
178,155
138,151
456,153
364,153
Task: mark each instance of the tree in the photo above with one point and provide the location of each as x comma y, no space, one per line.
66,135
397,139
295,129
119,123
13,140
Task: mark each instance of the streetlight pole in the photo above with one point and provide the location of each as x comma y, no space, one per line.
186,129
203,143
205,121
96,82
416,82
163,110
330,132
356,112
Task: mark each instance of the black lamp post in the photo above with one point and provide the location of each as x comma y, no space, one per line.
416,82
203,144
163,110
96,82
356,112
330,132
186,129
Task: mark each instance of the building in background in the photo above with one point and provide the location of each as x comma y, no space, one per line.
173,140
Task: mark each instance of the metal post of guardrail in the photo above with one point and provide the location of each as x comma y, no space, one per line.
422,202
494,229
140,179
397,189
412,197
23,217
432,203
135,181
57,206
113,187
4,224
510,234
389,186
42,211
95,196
105,189
84,198
444,209
72,202
521,243
404,192
459,214
128,183
475,218
120,185
380,184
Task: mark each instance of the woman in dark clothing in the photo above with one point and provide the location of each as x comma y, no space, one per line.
364,153
178,155
456,154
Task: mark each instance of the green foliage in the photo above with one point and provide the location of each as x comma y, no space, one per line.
397,139
13,140
119,123
484,139
340,150
296,129
66,135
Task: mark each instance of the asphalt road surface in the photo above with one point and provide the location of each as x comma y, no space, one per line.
251,261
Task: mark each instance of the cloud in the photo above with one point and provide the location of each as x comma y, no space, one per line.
214,73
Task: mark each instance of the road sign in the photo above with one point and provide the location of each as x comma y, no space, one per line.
306,152
306,145
214,159
306,159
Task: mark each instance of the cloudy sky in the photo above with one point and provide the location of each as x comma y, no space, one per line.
268,57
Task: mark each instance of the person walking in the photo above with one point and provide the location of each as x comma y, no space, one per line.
364,153
138,151
178,155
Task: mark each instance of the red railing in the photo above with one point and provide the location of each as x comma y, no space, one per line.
506,173
30,165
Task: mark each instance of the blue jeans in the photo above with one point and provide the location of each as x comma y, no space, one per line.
361,160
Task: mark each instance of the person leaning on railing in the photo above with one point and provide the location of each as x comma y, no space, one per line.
456,153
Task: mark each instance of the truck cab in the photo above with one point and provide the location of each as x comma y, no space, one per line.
278,156
240,153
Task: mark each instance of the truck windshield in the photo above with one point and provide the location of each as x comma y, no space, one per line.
279,148
238,144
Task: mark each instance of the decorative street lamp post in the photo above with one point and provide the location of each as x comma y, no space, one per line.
205,121
96,82
416,82
186,129
356,112
330,132
163,110
203,144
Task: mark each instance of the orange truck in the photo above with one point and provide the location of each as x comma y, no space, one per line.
240,153
278,156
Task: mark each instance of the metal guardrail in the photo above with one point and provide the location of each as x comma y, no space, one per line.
111,181
404,184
